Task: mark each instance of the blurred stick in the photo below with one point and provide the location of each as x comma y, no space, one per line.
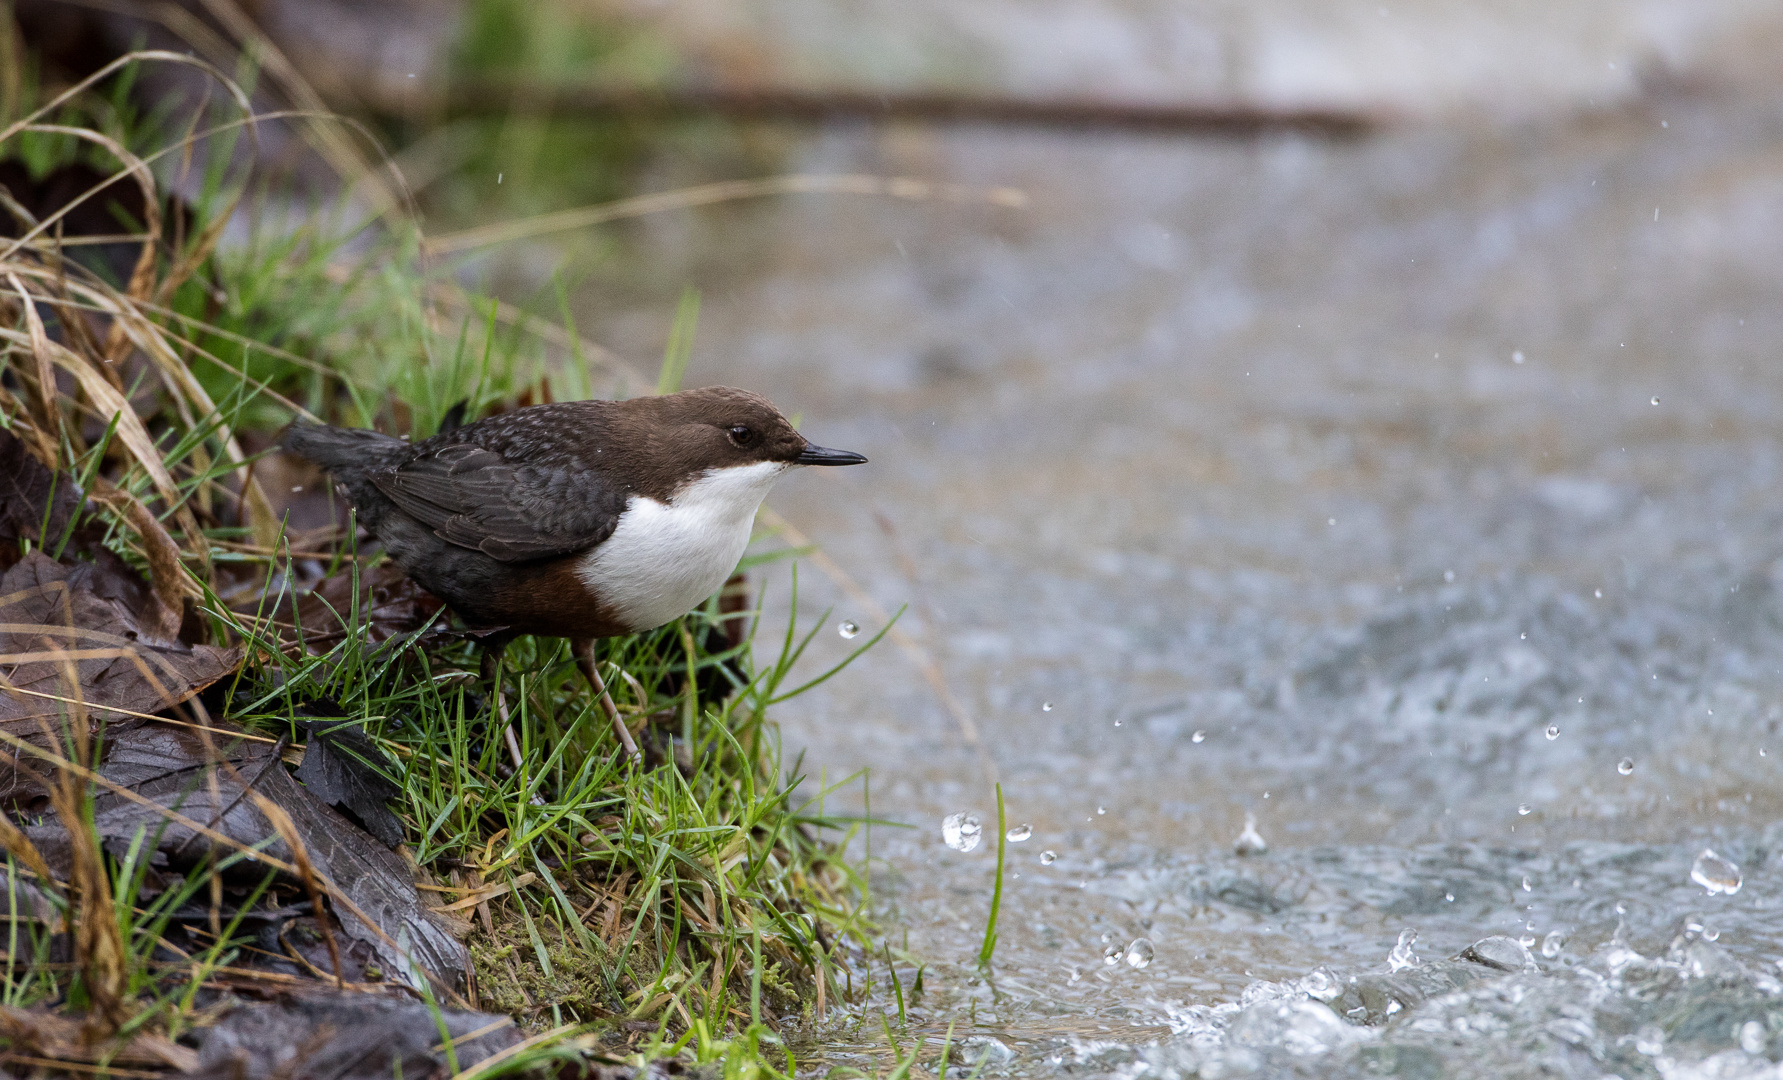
1213,117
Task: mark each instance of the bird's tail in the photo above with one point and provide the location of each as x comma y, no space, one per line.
346,452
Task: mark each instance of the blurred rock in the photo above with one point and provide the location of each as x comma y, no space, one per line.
1412,58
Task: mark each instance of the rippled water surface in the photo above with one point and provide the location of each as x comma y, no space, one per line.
1418,496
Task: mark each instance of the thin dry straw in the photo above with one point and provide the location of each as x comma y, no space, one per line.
897,187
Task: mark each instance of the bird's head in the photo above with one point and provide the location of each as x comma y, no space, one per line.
718,427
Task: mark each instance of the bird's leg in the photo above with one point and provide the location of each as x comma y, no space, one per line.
491,663
583,650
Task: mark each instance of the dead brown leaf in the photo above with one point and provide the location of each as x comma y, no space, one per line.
348,1038
35,504
205,779
89,615
42,1034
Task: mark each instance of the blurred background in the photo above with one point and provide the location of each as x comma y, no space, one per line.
1365,420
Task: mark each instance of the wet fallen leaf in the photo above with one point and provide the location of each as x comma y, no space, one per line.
348,1037
37,1033
35,503
169,767
340,765
71,641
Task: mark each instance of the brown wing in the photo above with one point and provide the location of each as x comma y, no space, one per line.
476,498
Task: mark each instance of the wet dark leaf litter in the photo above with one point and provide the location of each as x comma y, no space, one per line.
207,776
345,769
48,607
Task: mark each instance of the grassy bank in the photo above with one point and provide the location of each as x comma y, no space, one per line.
166,306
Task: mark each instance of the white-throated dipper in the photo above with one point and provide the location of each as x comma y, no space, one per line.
582,519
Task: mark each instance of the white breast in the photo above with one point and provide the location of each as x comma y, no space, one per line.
665,558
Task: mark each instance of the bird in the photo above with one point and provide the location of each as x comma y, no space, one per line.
578,519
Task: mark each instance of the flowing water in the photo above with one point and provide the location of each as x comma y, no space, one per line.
1416,498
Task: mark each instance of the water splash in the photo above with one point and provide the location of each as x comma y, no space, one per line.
1402,956
1250,841
985,1051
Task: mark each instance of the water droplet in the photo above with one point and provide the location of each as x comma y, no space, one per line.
1112,955
1625,766
1517,357
1752,1038
1711,933
1524,636
1046,706
1649,1040
1199,736
961,831
1402,956
1552,943
1250,841
1449,576
1047,858
1597,593
1526,886
1527,941
1117,723
1100,810
848,629
1553,732
1716,873
1524,810
1019,833
1139,954
1449,896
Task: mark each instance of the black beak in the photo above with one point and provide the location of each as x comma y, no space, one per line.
823,455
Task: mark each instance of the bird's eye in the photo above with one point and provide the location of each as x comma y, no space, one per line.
741,435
